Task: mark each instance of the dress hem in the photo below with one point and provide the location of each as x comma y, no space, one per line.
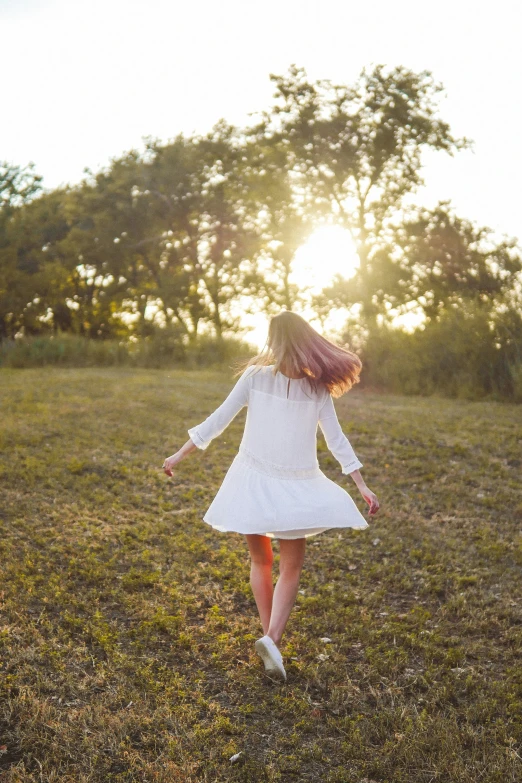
330,526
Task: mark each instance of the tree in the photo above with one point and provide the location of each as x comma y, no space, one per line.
440,260
357,150
198,197
284,218
18,186
103,251
31,283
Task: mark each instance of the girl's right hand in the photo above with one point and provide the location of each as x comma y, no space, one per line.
371,499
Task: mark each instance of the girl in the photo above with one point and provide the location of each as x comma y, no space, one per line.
274,487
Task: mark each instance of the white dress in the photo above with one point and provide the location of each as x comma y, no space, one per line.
274,486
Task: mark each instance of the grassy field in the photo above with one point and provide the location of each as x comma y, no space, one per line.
127,624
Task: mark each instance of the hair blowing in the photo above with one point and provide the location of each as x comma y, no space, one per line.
295,348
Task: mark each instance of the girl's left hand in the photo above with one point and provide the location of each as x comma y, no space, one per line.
169,463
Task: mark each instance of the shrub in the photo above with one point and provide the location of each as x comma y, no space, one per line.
462,355
164,348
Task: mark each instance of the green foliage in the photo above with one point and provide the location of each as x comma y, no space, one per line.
164,348
159,250
462,355
17,186
355,150
443,261
64,349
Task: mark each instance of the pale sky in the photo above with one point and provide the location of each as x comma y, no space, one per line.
86,82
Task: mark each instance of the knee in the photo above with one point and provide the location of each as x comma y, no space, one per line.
262,560
291,567
291,557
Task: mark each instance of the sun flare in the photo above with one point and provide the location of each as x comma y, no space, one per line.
328,252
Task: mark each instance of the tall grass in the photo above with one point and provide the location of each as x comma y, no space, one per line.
162,349
459,356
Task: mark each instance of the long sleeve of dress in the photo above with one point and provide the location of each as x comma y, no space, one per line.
336,440
216,422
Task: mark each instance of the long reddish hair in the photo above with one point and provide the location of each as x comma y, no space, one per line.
294,346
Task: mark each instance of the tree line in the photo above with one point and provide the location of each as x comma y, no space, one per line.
177,236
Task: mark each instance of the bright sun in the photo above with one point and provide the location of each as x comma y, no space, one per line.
328,252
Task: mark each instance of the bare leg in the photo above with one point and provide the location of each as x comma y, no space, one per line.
262,558
291,558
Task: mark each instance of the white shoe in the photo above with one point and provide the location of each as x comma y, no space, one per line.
269,652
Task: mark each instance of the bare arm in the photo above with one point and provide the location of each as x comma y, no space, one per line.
359,481
176,458
367,494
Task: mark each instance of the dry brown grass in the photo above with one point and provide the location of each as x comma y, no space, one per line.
127,625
